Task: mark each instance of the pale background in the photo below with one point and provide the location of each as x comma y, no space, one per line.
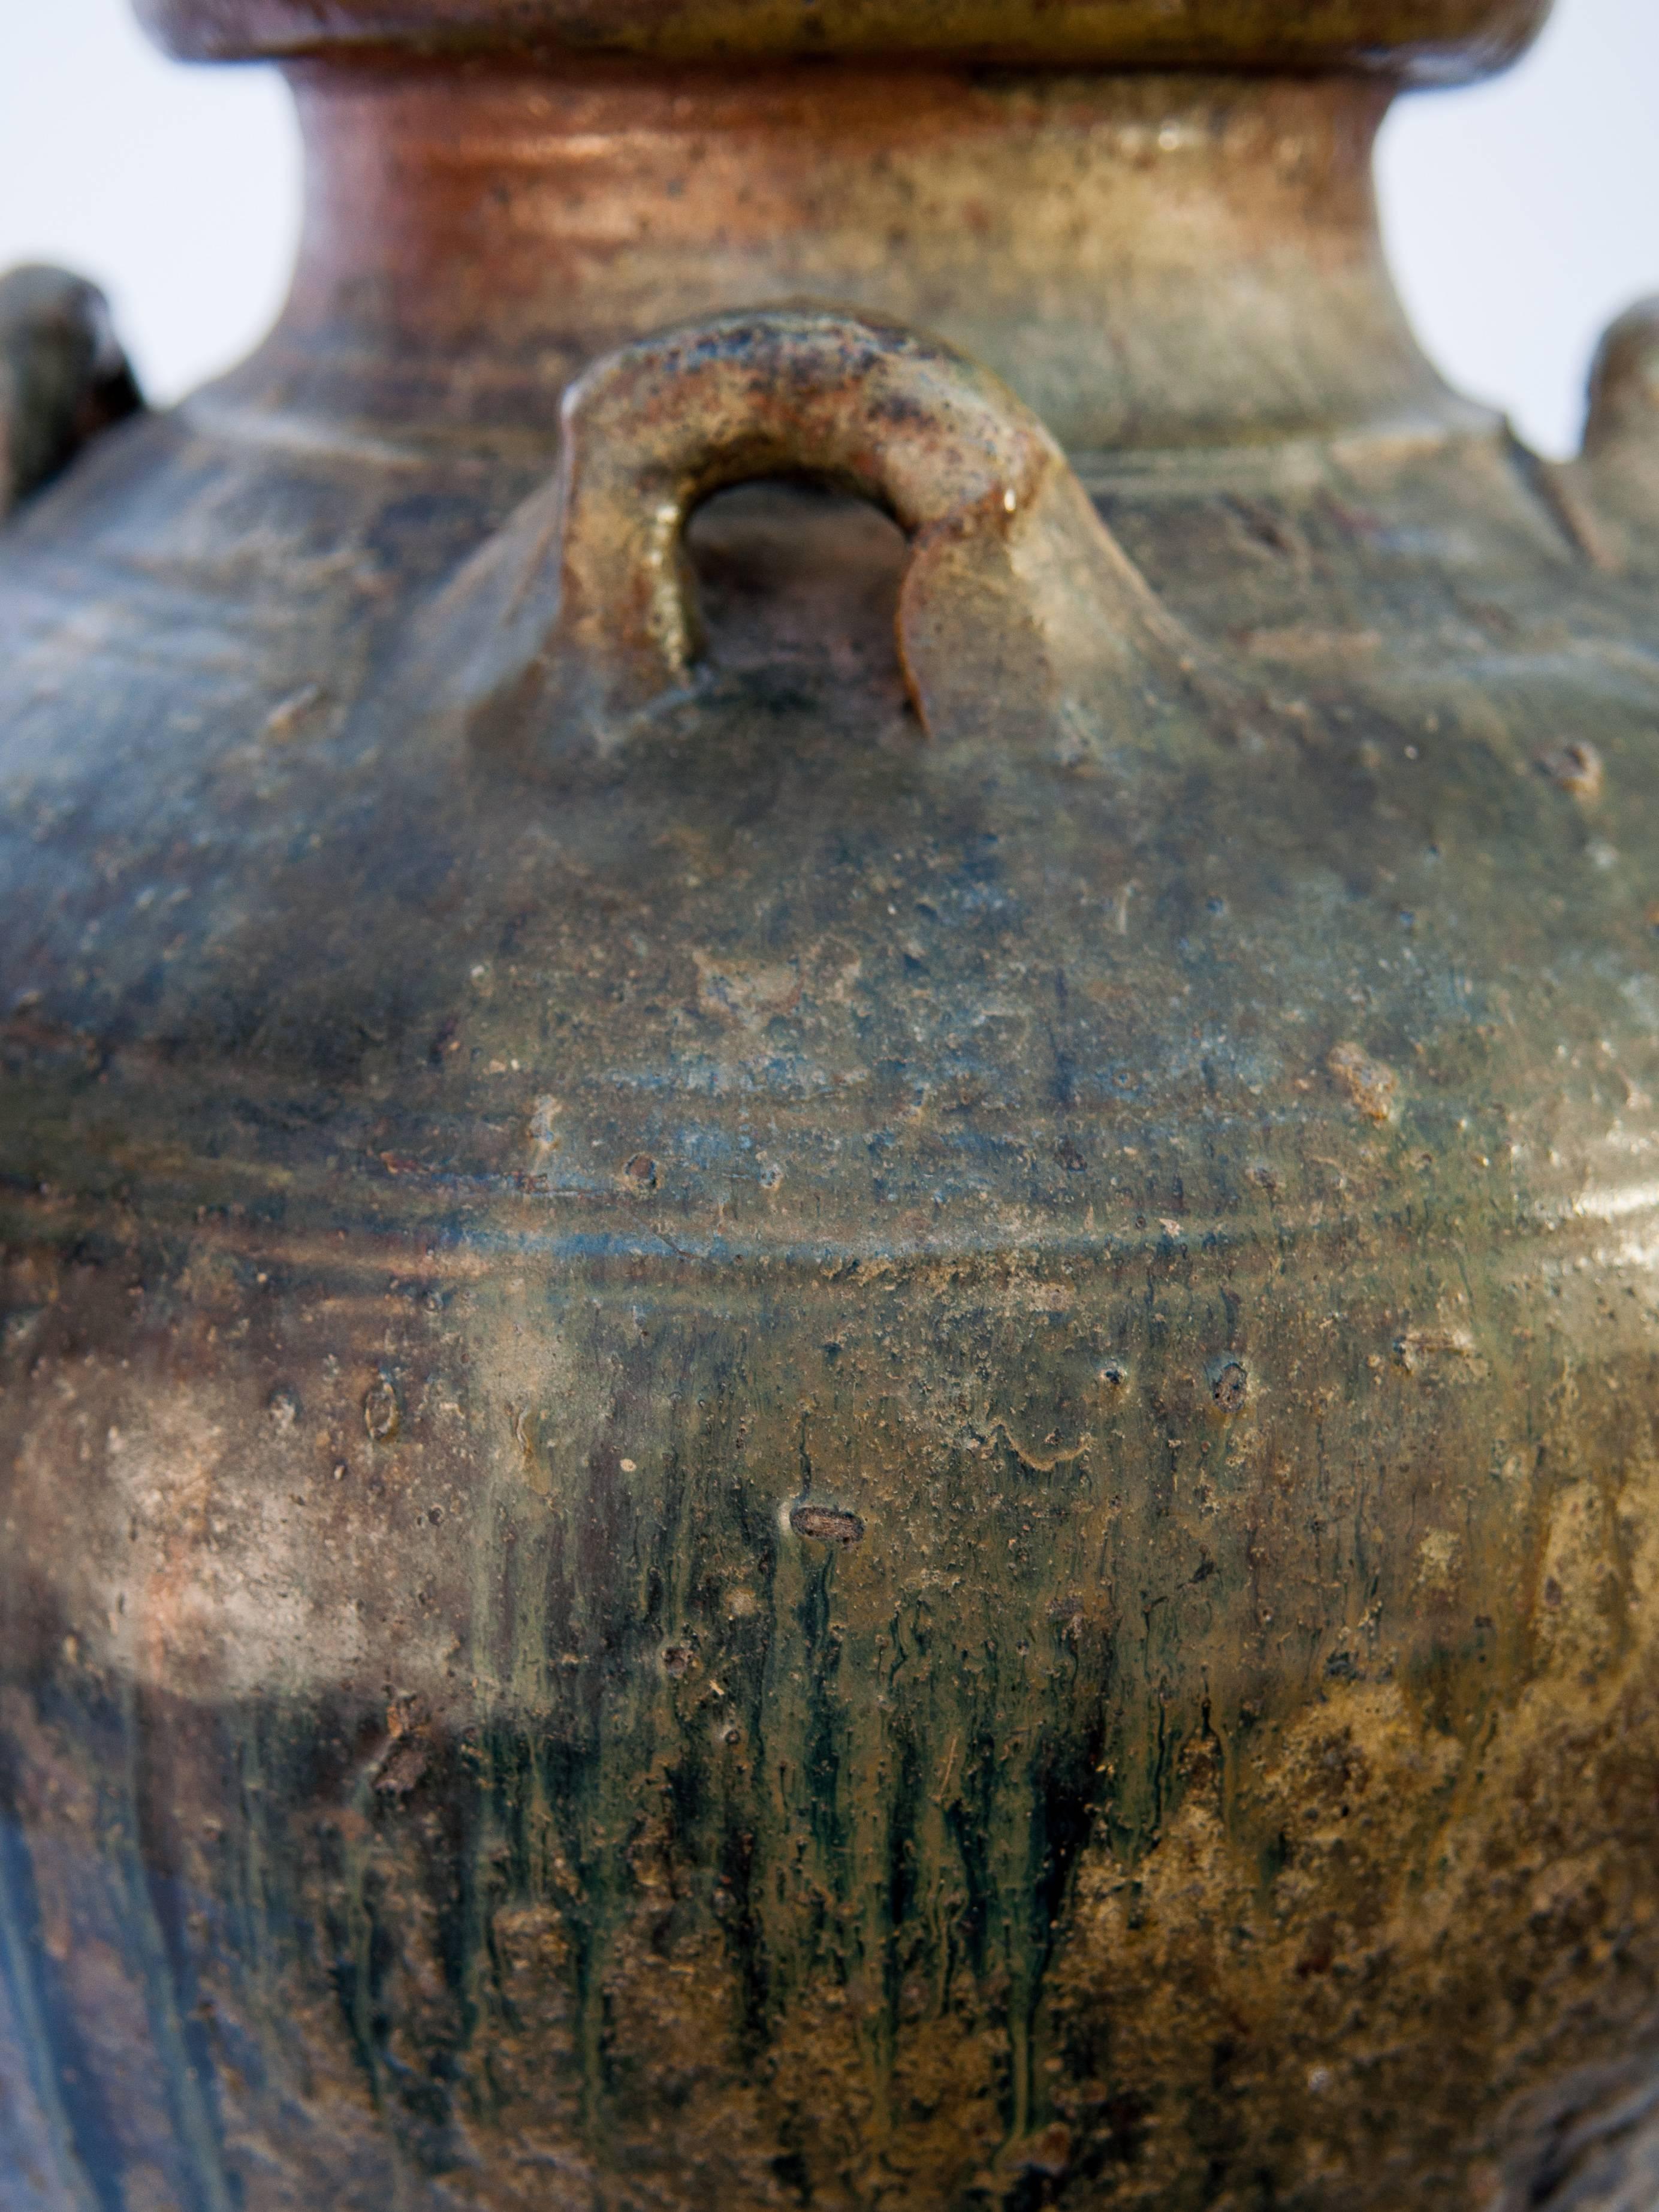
1521,215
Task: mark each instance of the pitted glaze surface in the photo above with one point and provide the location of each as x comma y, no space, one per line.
830,1306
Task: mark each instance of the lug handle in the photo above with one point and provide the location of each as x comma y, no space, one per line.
1017,607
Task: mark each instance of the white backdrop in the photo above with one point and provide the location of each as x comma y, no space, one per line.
1520,215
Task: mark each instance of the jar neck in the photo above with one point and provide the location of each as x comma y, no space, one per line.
1150,261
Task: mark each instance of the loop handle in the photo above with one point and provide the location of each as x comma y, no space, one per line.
1017,606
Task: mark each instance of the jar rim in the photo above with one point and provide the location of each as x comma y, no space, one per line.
1423,41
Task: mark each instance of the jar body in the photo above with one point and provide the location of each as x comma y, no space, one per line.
814,1456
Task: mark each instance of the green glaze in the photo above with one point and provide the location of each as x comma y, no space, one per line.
795,1424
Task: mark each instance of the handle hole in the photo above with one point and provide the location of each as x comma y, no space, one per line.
792,571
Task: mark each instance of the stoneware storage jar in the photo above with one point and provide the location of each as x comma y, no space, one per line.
829,1000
